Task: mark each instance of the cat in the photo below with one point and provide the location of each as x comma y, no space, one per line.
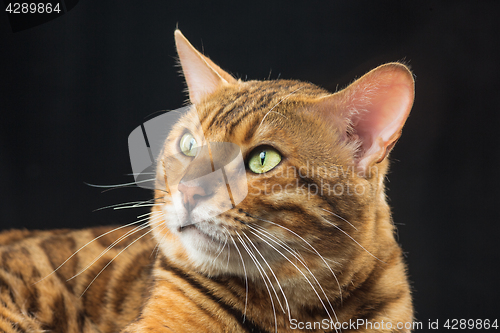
309,247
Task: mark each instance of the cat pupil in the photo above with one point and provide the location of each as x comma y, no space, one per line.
191,144
262,157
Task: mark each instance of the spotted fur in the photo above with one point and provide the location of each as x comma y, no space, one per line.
304,254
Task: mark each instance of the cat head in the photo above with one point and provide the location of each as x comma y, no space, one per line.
307,169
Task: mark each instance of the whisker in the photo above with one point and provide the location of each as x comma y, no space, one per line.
259,268
119,185
141,216
228,256
312,247
140,173
355,241
283,99
340,217
109,263
137,206
246,277
221,248
132,186
126,203
88,243
127,234
310,283
282,243
274,275
157,246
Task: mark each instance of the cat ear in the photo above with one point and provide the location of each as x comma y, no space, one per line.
375,108
203,77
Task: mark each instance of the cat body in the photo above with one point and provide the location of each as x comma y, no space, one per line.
310,248
35,297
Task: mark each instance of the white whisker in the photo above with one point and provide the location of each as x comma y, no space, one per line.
88,243
340,217
272,272
283,99
246,277
157,245
138,206
140,173
260,269
141,216
309,244
310,283
282,243
355,241
127,234
120,185
125,203
109,263
221,248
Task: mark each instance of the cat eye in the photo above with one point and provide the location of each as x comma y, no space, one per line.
263,159
188,145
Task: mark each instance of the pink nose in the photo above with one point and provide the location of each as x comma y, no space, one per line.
191,195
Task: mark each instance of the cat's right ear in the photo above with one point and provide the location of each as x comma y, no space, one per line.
203,77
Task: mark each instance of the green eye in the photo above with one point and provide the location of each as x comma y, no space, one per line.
188,145
263,159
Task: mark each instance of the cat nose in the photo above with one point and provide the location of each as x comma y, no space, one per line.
191,195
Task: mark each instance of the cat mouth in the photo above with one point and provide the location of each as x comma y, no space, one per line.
192,227
195,230
184,227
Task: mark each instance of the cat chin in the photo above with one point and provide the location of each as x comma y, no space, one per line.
225,261
196,250
204,247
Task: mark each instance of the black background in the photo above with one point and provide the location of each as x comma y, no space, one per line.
72,90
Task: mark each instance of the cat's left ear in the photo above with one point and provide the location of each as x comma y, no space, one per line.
202,75
374,109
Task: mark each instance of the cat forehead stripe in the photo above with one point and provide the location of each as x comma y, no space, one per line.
252,100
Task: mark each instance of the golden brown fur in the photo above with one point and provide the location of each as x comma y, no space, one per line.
33,298
305,253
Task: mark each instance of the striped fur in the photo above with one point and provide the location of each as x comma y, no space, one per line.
304,254
34,299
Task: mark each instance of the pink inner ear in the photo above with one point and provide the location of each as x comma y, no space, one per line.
385,116
383,100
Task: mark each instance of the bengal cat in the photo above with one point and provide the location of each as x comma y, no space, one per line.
310,247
